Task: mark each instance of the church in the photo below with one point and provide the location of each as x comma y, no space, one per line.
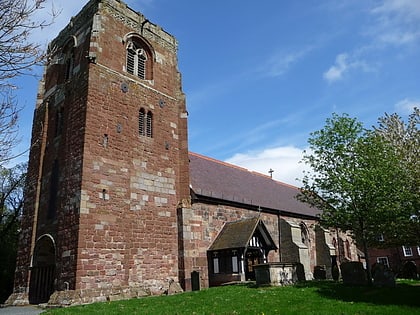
116,206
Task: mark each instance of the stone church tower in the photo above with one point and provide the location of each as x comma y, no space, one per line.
108,166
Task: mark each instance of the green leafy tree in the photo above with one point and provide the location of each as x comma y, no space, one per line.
12,183
405,138
356,179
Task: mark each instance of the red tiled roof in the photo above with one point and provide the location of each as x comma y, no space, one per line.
216,179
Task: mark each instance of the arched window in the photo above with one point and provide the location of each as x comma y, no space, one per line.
142,115
304,234
68,55
145,123
139,57
69,65
149,124
136,60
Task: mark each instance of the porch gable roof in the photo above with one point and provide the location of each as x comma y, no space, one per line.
237,234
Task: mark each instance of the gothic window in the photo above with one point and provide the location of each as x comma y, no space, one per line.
136,60
139,58
145,123
69,66
304,234
68,56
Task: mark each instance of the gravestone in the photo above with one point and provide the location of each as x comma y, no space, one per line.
335,272
383,276
300,272
409,270
353,273
320,273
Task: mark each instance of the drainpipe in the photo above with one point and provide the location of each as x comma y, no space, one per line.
279,227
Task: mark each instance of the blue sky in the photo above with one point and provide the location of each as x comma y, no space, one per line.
260,76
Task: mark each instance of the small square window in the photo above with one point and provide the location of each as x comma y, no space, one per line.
383,260
407,251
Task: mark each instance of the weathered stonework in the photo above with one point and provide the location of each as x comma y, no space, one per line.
109,213
203,222
105,195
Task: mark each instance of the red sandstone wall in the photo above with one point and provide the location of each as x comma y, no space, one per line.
203,222
115,222
131,184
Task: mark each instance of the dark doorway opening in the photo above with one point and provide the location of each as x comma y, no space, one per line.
253,257
41,284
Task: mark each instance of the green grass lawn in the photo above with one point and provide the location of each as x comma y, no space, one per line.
316,297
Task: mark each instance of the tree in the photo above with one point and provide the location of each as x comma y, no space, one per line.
12,183
356,179
17,57
405,138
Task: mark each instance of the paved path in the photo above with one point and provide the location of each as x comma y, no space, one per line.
20,310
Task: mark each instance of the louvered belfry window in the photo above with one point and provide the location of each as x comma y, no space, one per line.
136,60
142,129
145,123
149,124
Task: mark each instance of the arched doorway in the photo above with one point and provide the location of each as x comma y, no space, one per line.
41,284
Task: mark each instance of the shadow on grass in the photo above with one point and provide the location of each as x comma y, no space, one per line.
402,294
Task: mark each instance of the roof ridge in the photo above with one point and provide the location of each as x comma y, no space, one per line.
220,162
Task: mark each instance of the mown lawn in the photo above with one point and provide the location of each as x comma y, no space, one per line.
316,297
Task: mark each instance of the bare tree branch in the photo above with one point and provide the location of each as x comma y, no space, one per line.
18,55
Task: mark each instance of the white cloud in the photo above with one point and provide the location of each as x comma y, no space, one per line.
397,22
283,160
406,106
343,64
279,63
403,9
336,71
